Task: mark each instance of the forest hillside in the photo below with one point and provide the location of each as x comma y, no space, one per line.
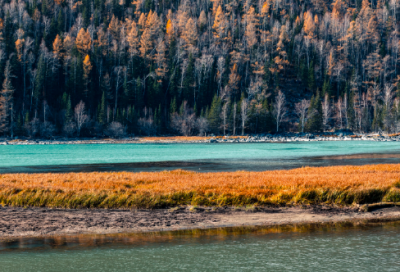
155,67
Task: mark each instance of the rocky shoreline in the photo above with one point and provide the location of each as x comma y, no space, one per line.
261,138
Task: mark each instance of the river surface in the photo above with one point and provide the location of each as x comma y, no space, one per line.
364,249
374,248
196,157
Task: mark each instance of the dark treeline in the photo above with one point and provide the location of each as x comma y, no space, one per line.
147,67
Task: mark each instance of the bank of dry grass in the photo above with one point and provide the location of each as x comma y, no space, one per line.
185,138
342,185
174,139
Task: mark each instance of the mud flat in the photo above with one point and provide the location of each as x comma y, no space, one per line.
18,222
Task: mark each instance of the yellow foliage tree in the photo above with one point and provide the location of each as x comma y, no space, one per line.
101,41
266,7
133,39
331,64
190,33
216,5
365,4
153,23
113,27
234,79
169,28
220,25
309,26
83,41
338,9
202,20
182,20
251,27
162,65
57,46
142,21
87,68
146,43
19,43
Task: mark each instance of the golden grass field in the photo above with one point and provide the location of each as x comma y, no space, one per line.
342,185
175,138
186,138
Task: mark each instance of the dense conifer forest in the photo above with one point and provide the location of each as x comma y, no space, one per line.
154,67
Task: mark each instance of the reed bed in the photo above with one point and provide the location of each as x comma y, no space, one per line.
187,138
342,185
175,138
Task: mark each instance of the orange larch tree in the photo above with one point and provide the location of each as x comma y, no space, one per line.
83,41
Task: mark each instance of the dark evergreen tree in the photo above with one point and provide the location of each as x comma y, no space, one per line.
311,77
68,111
351,113
214,115
314,122
102,110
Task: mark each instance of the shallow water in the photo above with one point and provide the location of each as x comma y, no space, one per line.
374,248
196,157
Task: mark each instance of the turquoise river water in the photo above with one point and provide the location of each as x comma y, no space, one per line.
197,157
373,248
355,249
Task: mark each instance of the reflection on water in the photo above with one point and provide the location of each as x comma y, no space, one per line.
339,247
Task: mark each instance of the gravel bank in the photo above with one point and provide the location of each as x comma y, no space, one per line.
34,222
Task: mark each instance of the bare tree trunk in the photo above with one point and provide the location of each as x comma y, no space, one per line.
244,109
234,119
345,105
301,110
118,71
12,120
279,109
80,117
326,111
224,114
339,106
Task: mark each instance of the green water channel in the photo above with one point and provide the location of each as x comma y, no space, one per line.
375,248
203,157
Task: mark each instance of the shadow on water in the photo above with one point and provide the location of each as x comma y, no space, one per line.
113,167
83,241
213,165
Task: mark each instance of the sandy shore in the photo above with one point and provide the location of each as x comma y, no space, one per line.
18,222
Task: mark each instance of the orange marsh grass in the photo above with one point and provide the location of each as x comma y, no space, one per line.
187,138
176,138
342,185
